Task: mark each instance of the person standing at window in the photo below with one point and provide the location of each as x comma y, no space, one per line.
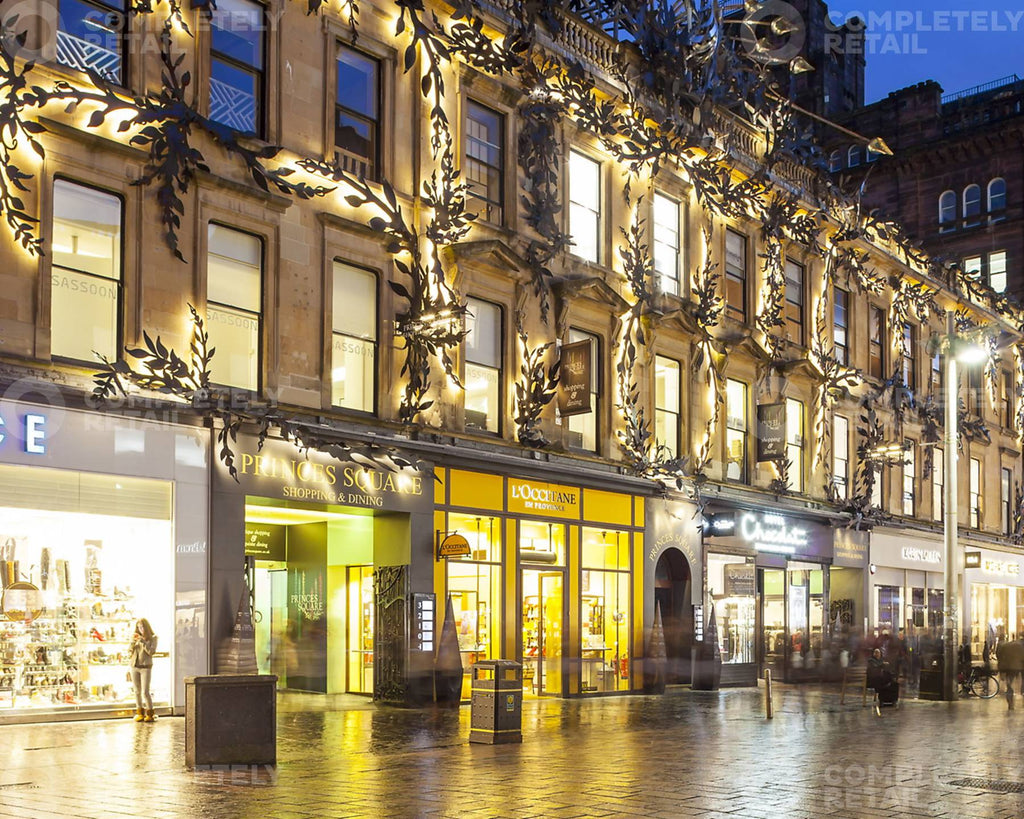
143,646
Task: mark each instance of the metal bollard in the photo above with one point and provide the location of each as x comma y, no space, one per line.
769,710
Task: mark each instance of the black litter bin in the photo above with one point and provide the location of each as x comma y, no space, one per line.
496,707
931,678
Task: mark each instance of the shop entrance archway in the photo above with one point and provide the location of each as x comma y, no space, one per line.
673,593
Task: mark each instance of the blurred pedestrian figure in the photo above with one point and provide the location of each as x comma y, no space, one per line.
1010,656
881,678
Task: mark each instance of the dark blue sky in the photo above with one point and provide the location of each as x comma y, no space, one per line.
958,43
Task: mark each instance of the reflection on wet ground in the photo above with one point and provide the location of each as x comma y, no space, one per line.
685,754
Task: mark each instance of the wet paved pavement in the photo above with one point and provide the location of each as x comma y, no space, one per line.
687,754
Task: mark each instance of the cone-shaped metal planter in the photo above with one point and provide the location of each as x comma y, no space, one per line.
707,675
448,665
656,661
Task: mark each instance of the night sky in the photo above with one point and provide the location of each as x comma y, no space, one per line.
982,41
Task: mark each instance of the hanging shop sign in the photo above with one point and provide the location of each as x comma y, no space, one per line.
551,499
453,545
575,377
771,432
265,541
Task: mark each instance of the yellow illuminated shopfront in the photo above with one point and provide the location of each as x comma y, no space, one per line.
547,581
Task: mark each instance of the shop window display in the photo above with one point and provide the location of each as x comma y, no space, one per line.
474,586
731,586
74,584
604,607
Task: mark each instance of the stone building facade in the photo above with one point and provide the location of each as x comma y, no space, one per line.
399,356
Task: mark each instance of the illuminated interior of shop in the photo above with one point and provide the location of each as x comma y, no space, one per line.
543,606
731,586
793,616
314,615
997,614
604,607
474,585
75,581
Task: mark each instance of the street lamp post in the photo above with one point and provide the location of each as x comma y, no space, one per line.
968,352
951,562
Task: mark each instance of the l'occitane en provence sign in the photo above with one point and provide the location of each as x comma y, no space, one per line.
547,499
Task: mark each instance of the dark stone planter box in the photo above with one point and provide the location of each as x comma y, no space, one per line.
231,719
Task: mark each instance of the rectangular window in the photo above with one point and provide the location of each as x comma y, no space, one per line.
357,113
85,279
997,271
876,345
938,488
972,266
236,65
585,206
1006,500
736,275
666,243
975,496
485,161
354,338
667,400
841,326
234,298
876,487
795,443
975,399
736,431
91,37
841,456
936,374
483,365
583,427
1006,403
795,301
909,357
909,477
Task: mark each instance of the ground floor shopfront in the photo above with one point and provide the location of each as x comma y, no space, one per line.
993,596
907,600
102,522
547,580
786,591
335,553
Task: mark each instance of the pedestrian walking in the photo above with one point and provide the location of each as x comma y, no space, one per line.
1010,657
143,647
881,678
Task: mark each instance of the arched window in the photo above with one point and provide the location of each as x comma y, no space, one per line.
835,161
997,200
854,156
972,205
947,212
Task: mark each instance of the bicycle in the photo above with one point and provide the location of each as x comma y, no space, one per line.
979,682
